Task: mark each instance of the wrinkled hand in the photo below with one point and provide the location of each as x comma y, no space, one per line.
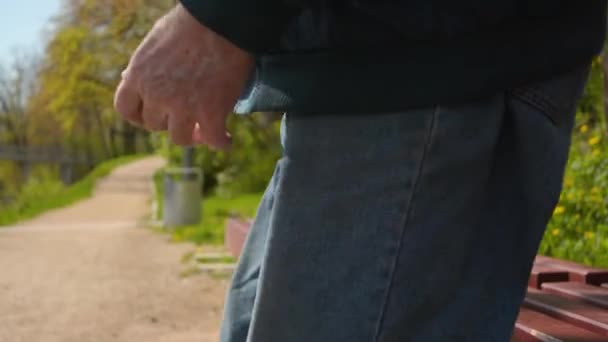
183,78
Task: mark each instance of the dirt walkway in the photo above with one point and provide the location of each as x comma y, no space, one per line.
91,273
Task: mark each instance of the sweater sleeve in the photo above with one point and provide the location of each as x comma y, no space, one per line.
253,25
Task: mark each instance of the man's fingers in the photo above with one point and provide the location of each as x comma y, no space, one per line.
180,129
128,103
155,119
213,133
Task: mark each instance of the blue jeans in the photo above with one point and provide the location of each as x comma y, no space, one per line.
413,226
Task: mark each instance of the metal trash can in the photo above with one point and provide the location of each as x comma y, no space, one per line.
182,197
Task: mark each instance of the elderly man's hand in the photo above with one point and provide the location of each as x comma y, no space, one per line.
183,78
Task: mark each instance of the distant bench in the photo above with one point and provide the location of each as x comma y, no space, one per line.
566,301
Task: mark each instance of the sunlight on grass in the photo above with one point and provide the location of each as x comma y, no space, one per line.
43,196
215,212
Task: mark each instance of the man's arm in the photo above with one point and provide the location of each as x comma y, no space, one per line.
255,26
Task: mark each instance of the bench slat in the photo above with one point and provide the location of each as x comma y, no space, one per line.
235,235
577,272
573,311
545,274
533,326
592,294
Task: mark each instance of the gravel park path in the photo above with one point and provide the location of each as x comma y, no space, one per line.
93,273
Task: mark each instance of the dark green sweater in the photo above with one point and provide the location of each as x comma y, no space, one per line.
372,56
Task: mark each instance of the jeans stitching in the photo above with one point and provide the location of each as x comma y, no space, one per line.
536,100
406,216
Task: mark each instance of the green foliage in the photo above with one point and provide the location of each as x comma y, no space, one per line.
215,212
81,68
216,260
578,230
591,105
247,166
64,98
158,194
43,194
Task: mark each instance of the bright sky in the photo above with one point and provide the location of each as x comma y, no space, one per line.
22,24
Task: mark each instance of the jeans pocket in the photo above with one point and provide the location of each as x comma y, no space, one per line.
555,98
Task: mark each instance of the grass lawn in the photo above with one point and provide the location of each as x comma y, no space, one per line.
215,212
52,195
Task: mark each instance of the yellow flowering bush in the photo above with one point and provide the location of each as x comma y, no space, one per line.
594,141
579,228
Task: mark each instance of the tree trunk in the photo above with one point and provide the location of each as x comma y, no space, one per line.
106,145
129,139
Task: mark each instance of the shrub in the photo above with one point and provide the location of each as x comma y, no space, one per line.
578,230
246,167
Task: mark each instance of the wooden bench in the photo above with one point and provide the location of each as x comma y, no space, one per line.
533,326
592,294
576,272
235,235
545,274
573,311
566,302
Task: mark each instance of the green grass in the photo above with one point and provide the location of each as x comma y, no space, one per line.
208,258
158,194
214,260
215,212
42,196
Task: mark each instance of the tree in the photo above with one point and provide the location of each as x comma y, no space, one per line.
17,83
16,86
81,68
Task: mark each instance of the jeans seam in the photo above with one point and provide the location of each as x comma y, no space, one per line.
405,220
255,276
